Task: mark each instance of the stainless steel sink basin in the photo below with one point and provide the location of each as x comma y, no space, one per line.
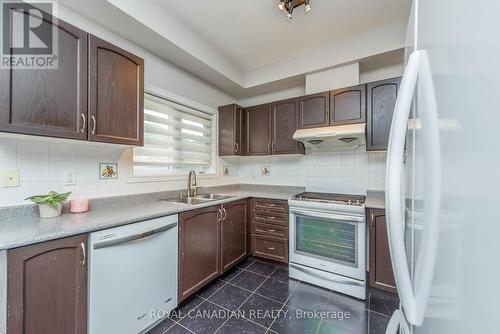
212,196
202,198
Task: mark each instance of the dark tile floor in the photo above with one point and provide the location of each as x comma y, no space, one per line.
258,297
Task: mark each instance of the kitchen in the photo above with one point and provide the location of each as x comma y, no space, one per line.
177,168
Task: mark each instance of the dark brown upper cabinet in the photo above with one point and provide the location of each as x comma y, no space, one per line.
116,94
231,130
285,120
348,105
234,245
49,102
258,129
314,110
47,287
381,99
381,274
199,249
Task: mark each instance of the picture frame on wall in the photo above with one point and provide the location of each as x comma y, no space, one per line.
108,170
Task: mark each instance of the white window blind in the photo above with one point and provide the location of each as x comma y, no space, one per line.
177,139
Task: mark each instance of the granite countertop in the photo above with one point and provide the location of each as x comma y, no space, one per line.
23,229
375,199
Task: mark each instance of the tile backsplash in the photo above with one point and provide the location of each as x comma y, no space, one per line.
326,171
42,165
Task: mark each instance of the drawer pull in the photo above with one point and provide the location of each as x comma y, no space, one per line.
270,230
270,217
269,248
270,205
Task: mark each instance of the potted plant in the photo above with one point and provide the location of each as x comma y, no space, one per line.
50,205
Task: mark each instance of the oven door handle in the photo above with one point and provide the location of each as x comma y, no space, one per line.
343,218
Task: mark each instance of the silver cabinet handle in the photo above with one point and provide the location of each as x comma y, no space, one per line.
219,215
269,248
270,230
84,255
236,147
225,213
84,121
93,124
270,217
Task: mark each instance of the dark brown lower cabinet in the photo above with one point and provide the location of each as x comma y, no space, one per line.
269,224
233,234
47,287
211,241
199,249
381,274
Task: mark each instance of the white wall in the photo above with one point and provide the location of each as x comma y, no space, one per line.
381,73
271,97
351,172
42,162
338,77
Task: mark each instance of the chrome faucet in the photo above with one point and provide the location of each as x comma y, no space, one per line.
192,188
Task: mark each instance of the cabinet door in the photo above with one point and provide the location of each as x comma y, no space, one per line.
381,275
314,110
47,291
49,102
285,120
381,102
348,105
230,130
199,249
233,234
258,124
116,94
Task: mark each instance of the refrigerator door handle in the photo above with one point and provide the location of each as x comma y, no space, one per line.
397,324
414,297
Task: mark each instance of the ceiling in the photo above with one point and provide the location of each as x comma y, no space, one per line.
245,47
252,33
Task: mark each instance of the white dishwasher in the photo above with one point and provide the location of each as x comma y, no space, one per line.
132,276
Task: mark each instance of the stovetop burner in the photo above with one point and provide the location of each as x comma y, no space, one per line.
357,200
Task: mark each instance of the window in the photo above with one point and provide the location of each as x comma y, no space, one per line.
177,139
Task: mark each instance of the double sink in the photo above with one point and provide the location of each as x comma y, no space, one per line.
198,199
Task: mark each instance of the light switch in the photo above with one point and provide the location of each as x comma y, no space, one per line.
69,177
11,178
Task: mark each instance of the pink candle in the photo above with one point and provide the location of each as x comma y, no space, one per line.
79,205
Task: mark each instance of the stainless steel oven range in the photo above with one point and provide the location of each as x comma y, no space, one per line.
328,241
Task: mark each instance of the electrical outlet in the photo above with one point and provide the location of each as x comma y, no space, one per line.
265,170
69,177
11,178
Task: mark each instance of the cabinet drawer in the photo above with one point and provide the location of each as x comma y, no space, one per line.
271,248
270,218
269,205
270,230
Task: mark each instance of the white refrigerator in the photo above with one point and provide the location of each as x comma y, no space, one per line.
443,171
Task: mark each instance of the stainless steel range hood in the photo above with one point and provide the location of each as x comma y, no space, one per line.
338,137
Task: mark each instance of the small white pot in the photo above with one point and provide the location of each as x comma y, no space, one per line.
48,211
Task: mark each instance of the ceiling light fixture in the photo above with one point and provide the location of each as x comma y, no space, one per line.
287,7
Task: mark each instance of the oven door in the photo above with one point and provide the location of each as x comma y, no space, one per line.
331,242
